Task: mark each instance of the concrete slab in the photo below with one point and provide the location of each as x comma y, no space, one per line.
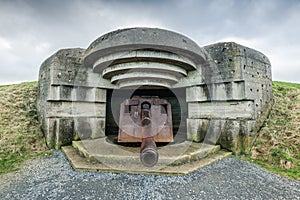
176,159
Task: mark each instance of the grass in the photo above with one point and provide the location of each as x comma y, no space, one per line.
20,133
277,147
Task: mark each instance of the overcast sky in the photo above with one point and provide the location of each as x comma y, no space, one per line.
32,30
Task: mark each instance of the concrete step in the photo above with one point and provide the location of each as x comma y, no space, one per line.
103,151
102,155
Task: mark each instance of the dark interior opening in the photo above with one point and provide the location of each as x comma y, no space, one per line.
176,97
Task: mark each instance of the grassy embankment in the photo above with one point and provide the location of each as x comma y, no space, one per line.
20,133
277,148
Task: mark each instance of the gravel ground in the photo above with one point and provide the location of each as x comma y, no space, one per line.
52,177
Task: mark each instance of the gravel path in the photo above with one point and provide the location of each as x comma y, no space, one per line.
52,177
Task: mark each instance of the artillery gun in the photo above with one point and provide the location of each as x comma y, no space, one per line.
147,120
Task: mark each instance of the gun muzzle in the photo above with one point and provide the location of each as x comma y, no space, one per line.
149,154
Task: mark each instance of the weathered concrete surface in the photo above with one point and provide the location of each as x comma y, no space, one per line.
143,38
71,103
225,132
176,159
228,86
225,110
238,87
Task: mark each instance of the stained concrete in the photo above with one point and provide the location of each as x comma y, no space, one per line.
175,159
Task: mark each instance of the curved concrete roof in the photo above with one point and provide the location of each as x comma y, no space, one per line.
143,38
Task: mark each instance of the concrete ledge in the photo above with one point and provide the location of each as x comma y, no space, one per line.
126,159
222,110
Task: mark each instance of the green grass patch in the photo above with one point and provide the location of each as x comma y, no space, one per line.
21,138
286,84
289,173
278,144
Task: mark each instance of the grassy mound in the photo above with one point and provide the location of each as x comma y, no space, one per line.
20,133
277,147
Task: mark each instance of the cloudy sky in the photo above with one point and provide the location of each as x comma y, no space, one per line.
32,30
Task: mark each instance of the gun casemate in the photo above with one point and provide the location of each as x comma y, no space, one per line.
147,120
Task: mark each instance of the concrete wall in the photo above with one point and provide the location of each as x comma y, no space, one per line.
71,100
230,107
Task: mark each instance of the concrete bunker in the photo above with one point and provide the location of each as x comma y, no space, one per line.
220,93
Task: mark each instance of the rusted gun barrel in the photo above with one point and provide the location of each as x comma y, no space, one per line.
147,120
148,154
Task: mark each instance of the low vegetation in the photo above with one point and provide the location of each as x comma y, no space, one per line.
277,148
20,133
